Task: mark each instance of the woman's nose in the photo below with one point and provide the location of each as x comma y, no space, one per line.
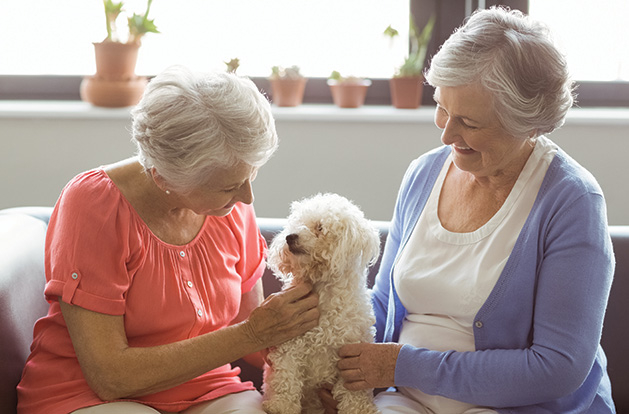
446,135
245,194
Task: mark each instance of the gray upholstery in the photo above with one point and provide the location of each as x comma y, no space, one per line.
615,340
22,232
21,297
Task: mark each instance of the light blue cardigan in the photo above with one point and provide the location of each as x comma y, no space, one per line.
537,336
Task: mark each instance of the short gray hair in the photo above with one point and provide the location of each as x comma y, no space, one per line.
513,57
188,124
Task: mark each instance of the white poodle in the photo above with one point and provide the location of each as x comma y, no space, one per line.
329,243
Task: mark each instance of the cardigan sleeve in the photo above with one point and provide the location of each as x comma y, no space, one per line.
569,253
382,290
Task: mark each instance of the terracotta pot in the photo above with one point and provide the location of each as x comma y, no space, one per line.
288,92
349,94
406,93
115,84
112,93
116,60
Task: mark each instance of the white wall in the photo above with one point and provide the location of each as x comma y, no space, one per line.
361,154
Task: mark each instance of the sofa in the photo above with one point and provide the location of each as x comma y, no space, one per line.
22,233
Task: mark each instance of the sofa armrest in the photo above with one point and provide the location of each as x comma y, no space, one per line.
21,297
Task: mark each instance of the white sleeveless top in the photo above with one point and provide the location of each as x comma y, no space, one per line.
443,278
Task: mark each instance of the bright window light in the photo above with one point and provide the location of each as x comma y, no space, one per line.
43,37
594,35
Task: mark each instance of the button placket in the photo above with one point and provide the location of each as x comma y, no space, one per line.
189,286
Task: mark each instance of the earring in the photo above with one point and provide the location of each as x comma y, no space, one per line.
167,192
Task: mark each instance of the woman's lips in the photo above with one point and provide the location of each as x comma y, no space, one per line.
463,150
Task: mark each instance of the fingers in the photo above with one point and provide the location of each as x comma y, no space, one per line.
329,403
352,374
367,365
284,315
358,385
296,292
350,350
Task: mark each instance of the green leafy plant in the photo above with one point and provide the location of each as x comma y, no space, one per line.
232,65
335,76
138,24
279,72
414,64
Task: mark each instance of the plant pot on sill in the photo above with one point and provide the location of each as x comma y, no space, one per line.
349,94
115,84
406,92
112,93
288,92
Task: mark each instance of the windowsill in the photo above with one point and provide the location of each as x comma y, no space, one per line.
303,113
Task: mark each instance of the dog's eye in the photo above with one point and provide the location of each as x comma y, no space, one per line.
318,228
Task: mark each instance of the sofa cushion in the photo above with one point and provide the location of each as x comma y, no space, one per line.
21,297
615,327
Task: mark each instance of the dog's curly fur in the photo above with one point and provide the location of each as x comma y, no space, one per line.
329,243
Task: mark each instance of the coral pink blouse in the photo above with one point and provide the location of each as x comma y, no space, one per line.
101,256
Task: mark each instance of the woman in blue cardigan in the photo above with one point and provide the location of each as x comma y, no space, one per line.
497,268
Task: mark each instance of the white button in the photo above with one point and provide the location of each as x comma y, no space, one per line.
200,312
182,253
189,283
75,276
478,324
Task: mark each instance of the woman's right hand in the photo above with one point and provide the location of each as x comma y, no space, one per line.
283,316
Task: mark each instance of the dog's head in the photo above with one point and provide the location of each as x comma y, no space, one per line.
325,235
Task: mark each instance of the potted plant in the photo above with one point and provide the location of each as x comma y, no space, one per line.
115,83
407,82
287,86
348,92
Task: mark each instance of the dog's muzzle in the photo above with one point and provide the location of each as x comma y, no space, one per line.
293,247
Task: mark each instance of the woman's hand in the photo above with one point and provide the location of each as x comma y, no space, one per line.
327,399
115,370
284,315
365,365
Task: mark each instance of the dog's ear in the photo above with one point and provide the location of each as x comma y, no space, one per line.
371,239
318,229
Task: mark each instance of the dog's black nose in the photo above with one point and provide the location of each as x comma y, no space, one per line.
291,239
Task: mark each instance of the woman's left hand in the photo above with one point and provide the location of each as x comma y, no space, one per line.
365,365
330,405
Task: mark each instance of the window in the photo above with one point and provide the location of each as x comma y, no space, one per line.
594,38
50,49
319,36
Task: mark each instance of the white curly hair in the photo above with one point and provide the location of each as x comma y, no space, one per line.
188,124
513,56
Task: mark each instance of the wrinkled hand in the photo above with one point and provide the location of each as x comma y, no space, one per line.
366,365
283,316
330,405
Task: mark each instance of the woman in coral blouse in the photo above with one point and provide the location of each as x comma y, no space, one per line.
153,264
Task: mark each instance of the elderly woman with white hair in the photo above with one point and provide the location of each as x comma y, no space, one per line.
497,269
153,264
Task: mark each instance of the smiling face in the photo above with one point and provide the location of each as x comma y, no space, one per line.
480,145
